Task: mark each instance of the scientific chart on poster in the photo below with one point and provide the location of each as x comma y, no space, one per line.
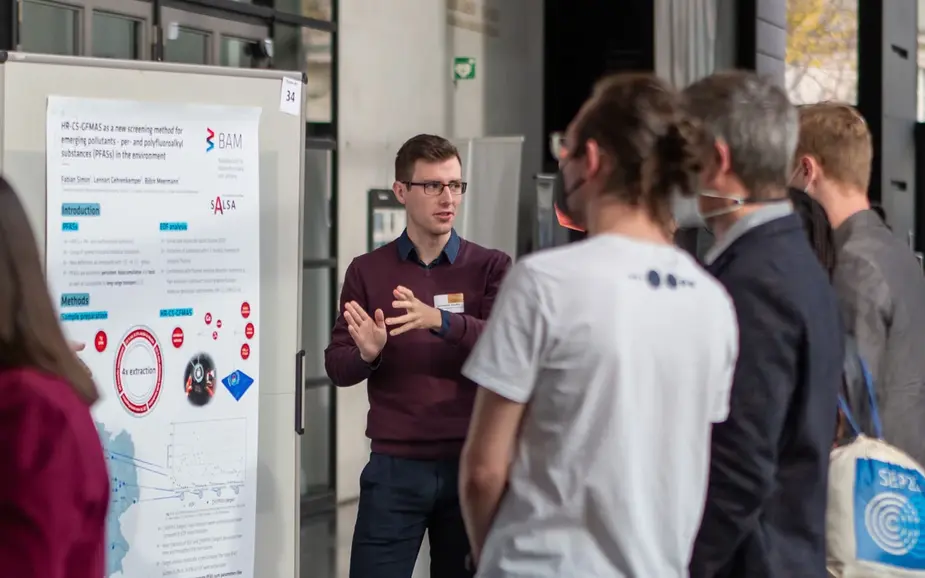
153,259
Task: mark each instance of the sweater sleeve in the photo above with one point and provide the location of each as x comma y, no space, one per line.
342,360
463,329
40,509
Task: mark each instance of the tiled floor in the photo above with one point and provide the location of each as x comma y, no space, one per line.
326,546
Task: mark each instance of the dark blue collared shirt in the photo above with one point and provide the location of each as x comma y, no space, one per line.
407,252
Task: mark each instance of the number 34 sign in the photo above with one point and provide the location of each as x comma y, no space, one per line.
290,96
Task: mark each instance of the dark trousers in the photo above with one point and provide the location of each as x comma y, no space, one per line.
399,500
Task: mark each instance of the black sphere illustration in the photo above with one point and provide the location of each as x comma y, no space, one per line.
199,379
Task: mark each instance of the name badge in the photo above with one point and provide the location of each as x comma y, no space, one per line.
453,302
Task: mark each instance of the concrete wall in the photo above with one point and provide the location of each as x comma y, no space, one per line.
395,80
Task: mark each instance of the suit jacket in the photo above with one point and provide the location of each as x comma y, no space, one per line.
766,500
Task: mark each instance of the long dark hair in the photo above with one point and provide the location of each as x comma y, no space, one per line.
30,335
817,227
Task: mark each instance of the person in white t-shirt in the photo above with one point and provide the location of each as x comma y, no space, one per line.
604,364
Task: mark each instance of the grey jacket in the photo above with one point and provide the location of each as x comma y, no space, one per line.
881,293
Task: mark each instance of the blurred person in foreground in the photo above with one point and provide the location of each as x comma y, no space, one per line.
54,487
766,502
879,281
604,364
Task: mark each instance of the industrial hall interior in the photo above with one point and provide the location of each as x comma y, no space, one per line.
308,101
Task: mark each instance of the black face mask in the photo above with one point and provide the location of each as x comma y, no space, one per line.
561,192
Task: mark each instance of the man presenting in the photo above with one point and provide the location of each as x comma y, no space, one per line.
412,311
766,500
879,282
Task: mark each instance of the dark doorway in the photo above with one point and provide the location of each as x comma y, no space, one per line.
585,39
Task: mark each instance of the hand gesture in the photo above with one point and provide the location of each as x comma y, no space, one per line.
367,332
418,316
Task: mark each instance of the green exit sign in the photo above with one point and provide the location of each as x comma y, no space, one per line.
463,68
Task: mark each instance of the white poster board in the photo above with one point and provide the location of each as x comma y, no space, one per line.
152,254
27,81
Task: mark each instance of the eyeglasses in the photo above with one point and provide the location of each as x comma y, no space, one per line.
434,188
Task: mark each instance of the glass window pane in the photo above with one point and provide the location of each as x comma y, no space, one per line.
317,319
244,53
920,84
316,236
307,50
822,50
318,69
49,28
189,47
320,9
316,443
920,93
237,52
116,36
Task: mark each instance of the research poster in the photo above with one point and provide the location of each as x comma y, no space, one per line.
152,256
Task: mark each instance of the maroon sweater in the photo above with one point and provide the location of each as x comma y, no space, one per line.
54,488
419,403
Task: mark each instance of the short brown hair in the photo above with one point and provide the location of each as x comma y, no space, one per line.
639,122
837,136
423,147
30,335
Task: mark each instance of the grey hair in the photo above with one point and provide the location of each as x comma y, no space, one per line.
756,120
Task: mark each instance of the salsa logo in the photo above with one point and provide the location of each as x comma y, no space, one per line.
210,134
219,206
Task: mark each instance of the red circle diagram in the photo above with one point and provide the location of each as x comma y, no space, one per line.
208,318
249,330
218,323
245,351
177,337
245,310
100,341
139,337
215,335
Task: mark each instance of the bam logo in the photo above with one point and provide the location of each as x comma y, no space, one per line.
219,206
230,140
226,140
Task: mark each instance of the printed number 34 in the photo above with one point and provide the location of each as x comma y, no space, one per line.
290,96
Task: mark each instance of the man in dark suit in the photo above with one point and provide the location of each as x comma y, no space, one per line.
765,509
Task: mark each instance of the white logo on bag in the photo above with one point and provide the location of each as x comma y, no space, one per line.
893,523
898,481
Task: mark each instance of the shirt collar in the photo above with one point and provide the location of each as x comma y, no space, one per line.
866,219
765,214
450,250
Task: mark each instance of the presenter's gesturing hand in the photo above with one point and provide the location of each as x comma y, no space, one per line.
367,332
418,316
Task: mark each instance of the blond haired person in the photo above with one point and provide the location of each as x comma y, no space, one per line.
879,282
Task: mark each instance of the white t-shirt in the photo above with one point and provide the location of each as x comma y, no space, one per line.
624,352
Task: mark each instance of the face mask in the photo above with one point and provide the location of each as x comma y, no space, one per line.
561,193
687,214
